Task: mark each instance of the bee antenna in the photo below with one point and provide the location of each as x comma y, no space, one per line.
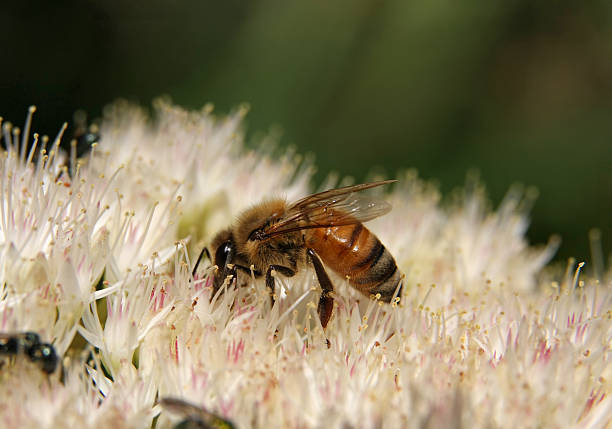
197,264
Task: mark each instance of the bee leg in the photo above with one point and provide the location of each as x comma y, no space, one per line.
248,270
202,253
286,271
326,302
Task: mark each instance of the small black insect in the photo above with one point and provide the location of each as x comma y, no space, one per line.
28,344
84,135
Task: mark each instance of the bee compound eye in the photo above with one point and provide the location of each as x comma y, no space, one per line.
222,253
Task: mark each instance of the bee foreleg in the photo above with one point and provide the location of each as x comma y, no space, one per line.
286,271
326,302
248,270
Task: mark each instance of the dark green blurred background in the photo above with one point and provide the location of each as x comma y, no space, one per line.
520,90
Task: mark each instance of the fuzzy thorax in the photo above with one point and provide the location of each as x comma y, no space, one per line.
286,250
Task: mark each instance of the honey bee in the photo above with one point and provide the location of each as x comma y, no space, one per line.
324,228
194,417
28,344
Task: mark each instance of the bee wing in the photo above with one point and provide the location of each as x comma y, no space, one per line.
336,207
179,406
199,415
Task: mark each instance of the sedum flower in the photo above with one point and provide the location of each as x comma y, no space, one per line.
51,258
481,338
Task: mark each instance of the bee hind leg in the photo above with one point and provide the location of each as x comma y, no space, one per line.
326,302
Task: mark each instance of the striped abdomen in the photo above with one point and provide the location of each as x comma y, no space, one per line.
354,252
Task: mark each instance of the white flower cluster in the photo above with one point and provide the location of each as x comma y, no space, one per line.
96,257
